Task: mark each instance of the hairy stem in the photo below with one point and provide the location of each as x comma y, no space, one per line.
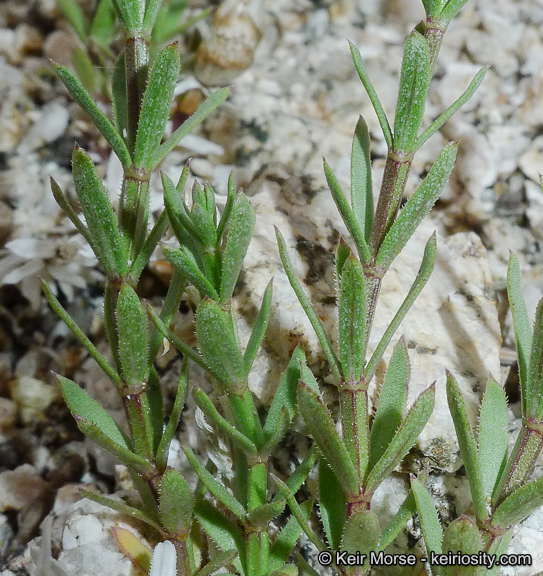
136,69
522,460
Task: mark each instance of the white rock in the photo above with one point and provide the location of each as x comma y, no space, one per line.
531,162
51,125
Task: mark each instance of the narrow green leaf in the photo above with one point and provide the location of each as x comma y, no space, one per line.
106,240
428,518
170,26
203,111
83,407
361,534
133,337
115,140
277,434
462,535
185,349
221,560
404,439
457,104
151,13
130,13
321,426
183,177
343,252
183,261
80,335
240,230
259,330
103,24
88,75
468,449
419,205
361,185
65,205
451,9
352,320
176,503
308,309
347,215
210,204
219,344
118,96
424,273
282,548
198,197
308,378
391,404
519,505
332,505
170,307
224,533
175,416
414,83
121,506
245,413
492,436
179,218
377,106
263,515
298,477
214,486
227,212
75,16
204,225
98,425
138,463
240,440
298,513
406,511
523,332
534,384
286,393
432,7
155,108
151,242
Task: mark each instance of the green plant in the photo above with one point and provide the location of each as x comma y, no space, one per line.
500,486
123,245
94,59
226,521
211,258
357,461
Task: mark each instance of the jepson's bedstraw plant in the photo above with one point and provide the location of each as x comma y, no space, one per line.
93,60
500,486
228,522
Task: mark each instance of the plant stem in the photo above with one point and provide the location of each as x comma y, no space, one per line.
136,70
433,32
522,460
183,561
246,416
395,176
138,413
258,539
354,416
